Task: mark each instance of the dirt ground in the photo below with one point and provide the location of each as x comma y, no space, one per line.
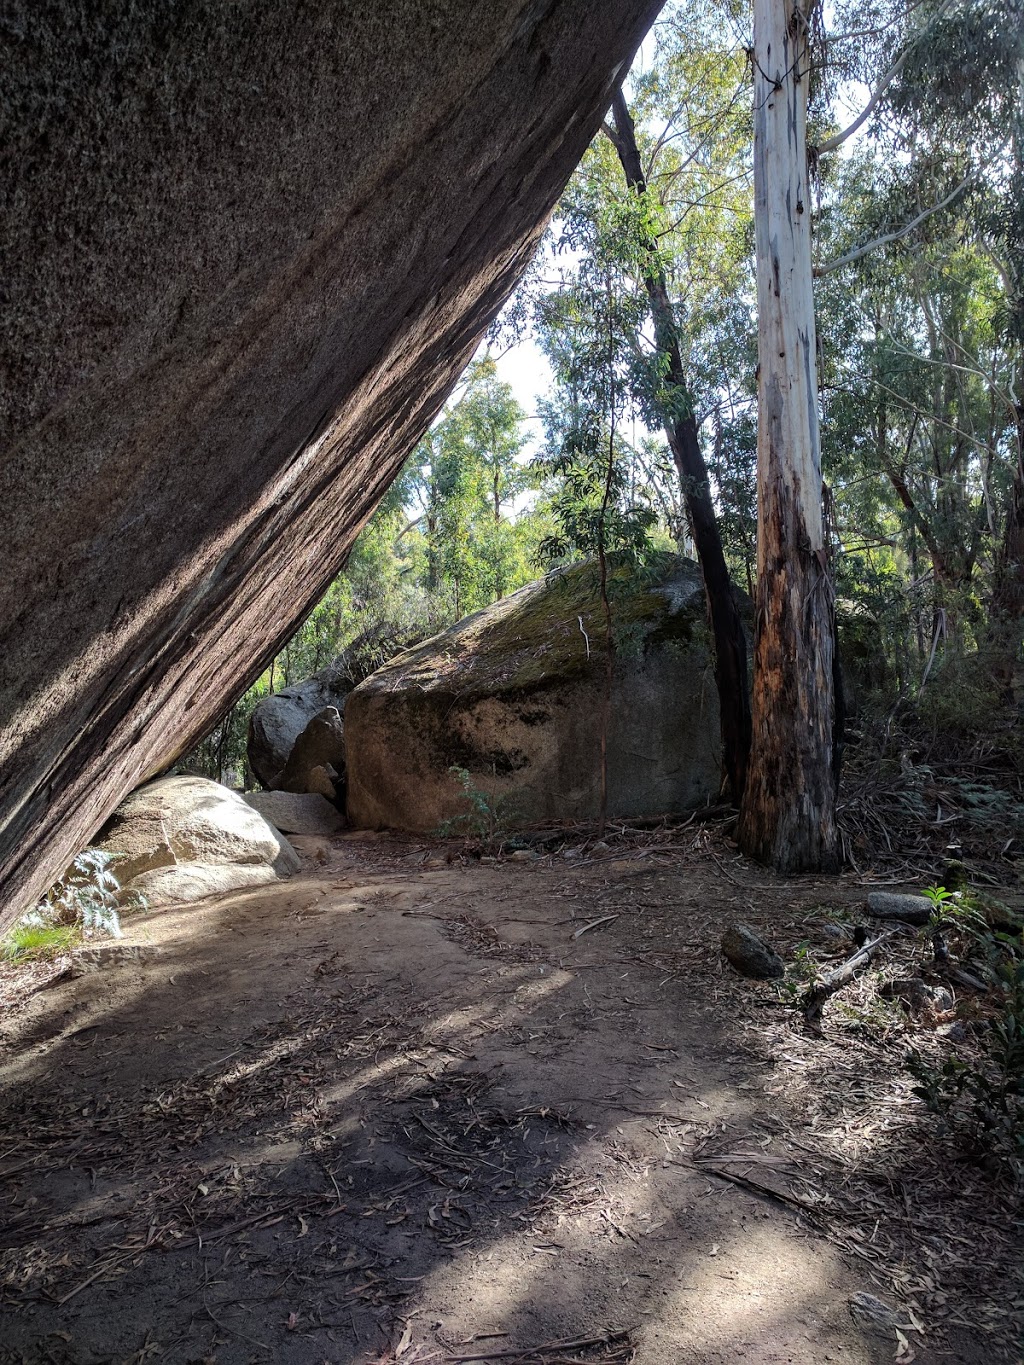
405,1109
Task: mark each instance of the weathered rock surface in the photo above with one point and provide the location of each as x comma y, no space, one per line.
247,251
295,813
321,781
278,721
318,753
182,838
750,955
514,694
899,905
99,957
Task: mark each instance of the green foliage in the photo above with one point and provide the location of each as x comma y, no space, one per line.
802,974
85,901
39,942
938,895
488,818
87,895
467,478
982,1103
591,502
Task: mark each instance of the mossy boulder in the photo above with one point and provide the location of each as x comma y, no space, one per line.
514,695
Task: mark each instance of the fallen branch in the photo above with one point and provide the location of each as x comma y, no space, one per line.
816,995
594,924
734,1178
546,1348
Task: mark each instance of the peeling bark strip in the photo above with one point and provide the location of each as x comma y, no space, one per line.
788,813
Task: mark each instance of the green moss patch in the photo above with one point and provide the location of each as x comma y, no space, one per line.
553,630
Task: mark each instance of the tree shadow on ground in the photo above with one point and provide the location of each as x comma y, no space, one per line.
343,1121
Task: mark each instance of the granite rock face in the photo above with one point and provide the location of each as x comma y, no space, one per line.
180,839
247,250
293,731
514,696
297,812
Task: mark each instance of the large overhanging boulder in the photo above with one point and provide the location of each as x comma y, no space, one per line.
247,250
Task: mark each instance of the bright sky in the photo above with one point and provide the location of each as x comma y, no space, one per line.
524,366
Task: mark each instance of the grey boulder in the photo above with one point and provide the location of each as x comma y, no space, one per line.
281,720
892,905
297,813
750,955
317,753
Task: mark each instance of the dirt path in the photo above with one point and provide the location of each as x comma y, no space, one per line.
402,1110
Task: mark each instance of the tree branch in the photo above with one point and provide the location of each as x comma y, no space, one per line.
609,131
887,237
831,143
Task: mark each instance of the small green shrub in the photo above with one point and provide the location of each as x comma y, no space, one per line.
87,895
487,817
982,1104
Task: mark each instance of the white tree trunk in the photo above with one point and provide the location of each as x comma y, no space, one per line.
788,814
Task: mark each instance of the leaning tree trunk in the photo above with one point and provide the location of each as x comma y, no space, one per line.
788,814
684,441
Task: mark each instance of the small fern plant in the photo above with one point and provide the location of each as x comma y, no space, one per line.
87,895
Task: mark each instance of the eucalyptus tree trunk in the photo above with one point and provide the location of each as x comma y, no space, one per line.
787,817
684,442
1007,605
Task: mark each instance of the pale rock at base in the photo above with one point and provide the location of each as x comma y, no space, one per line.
297,813
179,839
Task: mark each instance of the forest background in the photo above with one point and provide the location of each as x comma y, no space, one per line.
916,150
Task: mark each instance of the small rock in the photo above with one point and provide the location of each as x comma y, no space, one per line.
312,846
867,1311
954,1032
571,853
910,909
488,861
84,960
916,995
600,847
832,933
319,783
750,955
523,855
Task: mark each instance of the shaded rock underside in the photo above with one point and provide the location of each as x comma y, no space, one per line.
240,278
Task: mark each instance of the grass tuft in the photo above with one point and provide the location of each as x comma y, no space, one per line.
39,942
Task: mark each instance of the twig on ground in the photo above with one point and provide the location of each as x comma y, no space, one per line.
816,995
